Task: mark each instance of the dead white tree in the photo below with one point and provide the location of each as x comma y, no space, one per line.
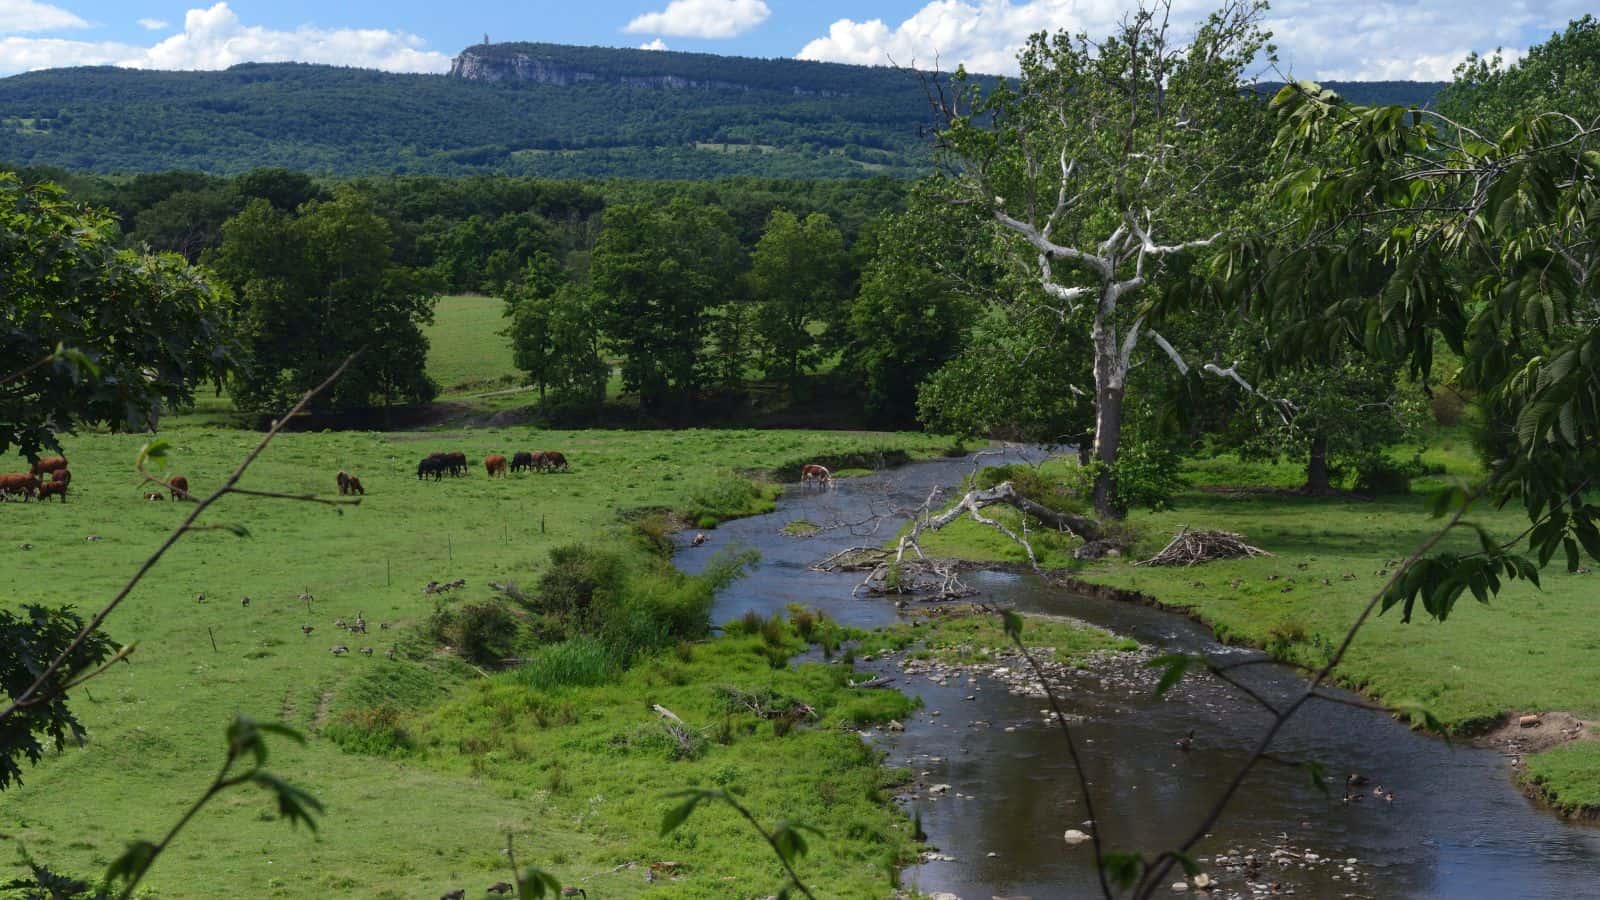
1106,160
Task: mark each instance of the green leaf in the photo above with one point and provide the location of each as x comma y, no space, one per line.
1316,771
1122,868
133,863
153,452
294,804
1419,716
679,814
537,883
1173,667
1190,867
1013,623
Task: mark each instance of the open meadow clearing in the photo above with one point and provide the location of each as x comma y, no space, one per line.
397,824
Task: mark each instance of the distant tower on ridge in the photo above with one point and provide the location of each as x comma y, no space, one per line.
486,38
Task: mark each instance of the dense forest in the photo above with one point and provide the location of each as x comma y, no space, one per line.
572,112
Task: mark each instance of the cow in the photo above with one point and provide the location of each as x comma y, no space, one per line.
179,486
154,495
551,460
434,466
62,475
811,473
53,488
457,461
355,486
495,464
522,461
23,483
344,483
49,464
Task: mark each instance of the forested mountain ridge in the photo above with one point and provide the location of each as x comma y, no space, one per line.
541,110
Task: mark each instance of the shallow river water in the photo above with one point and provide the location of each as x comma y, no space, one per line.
995,802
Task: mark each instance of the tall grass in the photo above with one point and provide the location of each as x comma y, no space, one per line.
576,662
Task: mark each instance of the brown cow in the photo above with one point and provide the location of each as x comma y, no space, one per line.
54,488
355,486
811,473
495,464
154,495
179,486
19,483
62,475
551,460
344,483
49,464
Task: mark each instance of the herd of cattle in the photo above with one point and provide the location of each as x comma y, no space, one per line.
438,465
49,477
33,483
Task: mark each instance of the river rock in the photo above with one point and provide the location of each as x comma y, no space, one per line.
944,895
894,725
1074,837
939,789
1530,721
1179,887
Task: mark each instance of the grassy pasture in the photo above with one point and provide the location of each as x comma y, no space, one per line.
1528,650
466,351
404,826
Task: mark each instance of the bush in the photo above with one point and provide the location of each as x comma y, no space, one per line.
1147,475
725,497
1378,474
579,662
579,581
375,731
483,632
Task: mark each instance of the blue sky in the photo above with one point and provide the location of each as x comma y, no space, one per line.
1369,39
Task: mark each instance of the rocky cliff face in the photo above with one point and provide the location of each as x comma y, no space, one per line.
513,67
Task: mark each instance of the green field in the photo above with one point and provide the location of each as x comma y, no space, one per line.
576,773
466,351
1526,651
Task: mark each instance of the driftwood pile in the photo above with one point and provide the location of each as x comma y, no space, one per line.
1190,547
890,574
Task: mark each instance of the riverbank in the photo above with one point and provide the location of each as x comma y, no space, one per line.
1524,653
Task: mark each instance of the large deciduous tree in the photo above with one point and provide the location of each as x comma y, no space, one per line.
315,286
1103,161
798,274
142,330
657,273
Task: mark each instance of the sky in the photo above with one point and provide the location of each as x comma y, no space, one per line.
1316,39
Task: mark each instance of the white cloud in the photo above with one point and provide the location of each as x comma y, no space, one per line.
702,18
657,44
1354,39
215,38
28,15
154,24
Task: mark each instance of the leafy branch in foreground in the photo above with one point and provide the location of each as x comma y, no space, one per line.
247,745
785,839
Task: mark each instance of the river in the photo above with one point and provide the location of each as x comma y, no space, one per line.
996,791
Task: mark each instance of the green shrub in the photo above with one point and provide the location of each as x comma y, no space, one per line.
578,581
375,731
483,632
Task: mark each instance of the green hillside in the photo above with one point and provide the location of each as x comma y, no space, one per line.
522,109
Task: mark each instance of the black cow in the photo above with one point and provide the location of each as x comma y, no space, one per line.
521,461
433,466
